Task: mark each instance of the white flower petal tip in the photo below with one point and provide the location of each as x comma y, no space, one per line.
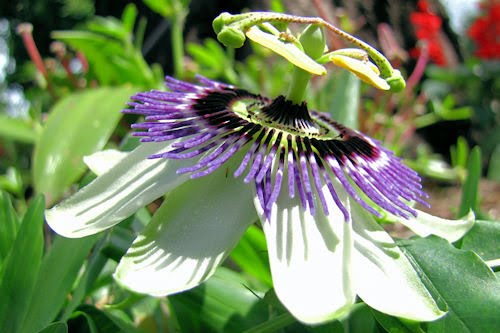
188,237
118,193
310,259
103,161
425,224
384,281
364,70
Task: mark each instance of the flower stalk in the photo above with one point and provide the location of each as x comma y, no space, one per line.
313,42
231,30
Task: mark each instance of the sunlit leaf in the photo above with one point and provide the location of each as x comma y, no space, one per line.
112,59
78,125
17,129
128,18
162,7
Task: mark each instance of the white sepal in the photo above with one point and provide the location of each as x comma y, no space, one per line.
189,236
426,224
383,276
116,194
102,161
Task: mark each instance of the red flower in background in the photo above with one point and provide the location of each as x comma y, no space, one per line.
427,27
485,31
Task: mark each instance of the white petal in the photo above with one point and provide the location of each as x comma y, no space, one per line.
132,183
310,258
102,161
426,224
384,277
193,231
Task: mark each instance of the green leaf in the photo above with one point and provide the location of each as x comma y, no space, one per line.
251,255
462,280
361,319
8,226
459,153
494,168
21,269
93,269
78,125
104,320
162,7
128,18
223,303
58,272
112,58
471,186
57,327
12,181
392,324
17,129
341,98
483,239
275,324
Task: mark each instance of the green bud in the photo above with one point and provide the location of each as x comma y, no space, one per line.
220,21
231,37
396,81
313,41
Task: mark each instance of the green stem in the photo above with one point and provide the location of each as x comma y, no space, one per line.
177,37
297,90
312,41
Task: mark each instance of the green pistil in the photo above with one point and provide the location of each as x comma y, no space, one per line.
251,110
297,89
313,42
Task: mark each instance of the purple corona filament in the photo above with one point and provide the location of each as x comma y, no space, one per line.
285,145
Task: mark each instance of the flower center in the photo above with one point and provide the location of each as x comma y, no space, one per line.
282,115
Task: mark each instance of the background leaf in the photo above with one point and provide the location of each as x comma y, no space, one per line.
58,272
21,269
471,185
251,255
78,125
8,226
101,321
223,303
474,298
483,239
57,327
17,129
340,97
